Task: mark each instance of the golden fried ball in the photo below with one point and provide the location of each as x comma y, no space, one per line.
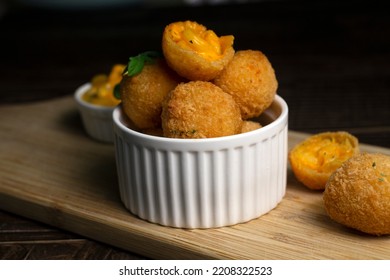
195,52
251,80
142,94
199,109
250,126
318,156
357,194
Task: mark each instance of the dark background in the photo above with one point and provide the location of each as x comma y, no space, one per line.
331,58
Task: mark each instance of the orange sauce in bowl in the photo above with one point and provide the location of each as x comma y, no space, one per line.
102,88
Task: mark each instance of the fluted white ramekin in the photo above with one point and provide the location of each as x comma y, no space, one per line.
203,183
97,119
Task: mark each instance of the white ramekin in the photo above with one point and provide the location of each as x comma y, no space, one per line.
203,183
97,119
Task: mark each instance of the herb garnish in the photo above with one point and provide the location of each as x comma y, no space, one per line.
117,92
136,63
135,66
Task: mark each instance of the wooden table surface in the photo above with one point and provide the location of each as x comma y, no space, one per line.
331,59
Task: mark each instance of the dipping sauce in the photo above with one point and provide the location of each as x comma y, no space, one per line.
102,88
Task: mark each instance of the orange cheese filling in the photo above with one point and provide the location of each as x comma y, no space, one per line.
325,154
102,88
192,36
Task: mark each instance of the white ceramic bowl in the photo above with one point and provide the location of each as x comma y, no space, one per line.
203,183
97,120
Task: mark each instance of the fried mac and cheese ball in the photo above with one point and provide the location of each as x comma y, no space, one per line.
250,79
357,194
195,52
250,126
142,94
199,109
317,157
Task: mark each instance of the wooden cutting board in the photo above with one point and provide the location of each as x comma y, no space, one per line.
52,172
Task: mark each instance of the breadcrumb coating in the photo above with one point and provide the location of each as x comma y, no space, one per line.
142,95
250,126
250,79
357,195
199,109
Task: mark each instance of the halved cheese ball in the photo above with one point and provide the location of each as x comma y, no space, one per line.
195,52
317,157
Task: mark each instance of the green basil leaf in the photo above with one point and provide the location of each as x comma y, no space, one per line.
137,63
117,92
135,66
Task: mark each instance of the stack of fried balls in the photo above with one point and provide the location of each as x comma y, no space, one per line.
200,87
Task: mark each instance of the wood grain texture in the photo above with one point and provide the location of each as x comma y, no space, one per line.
25,239
52,172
